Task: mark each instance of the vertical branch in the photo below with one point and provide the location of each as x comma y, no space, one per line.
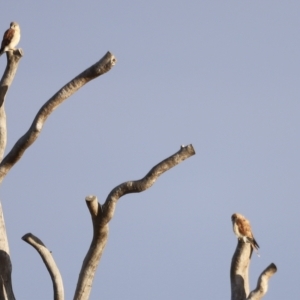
239,274
94,254
13,59
6,291
239,271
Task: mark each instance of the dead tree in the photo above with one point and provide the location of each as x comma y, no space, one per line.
100,214
239,275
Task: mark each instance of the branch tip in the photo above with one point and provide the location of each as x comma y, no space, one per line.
49,262
90,198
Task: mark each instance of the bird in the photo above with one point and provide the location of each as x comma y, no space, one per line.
243,231
11,38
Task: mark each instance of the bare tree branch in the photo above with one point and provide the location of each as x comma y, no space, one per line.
239,271
38,245
262,283
101,215
239,274
13,59
99,68
146,182
6,291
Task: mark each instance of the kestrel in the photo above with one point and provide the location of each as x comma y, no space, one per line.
242,229
11,38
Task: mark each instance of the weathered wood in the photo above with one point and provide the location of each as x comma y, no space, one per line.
101,215
239,274
99,68
6,291
13,59
38,245
239,271
262,283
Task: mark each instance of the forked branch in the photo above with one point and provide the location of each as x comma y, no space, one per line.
38,245
239,275
101,215
99,68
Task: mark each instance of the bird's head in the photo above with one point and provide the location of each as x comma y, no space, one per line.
234,217
14,25
237,216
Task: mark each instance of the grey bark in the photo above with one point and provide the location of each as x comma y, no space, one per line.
239,275
262,283
6,291
102,214
38,245
13,59
99,68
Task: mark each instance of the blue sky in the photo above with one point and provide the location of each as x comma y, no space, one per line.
222,75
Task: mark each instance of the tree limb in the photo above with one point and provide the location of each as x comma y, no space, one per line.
99,68
262,283
13,59
101,215
239,274
37,244
6,291
239,271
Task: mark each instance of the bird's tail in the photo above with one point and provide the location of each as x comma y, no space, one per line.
254,245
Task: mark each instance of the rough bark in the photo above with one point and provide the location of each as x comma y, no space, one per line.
101,215
99,68
38,245
239,274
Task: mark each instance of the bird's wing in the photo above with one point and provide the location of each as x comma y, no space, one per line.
244,227
7,37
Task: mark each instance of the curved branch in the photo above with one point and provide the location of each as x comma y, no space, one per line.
101,215
262,283
6,291
99,68
48,260
146,182
239,271
13,59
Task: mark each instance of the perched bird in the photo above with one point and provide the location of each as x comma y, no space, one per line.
242,229
11,38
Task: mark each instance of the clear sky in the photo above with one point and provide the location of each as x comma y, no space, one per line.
222,75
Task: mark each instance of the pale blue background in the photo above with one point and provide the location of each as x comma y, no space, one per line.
222,75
